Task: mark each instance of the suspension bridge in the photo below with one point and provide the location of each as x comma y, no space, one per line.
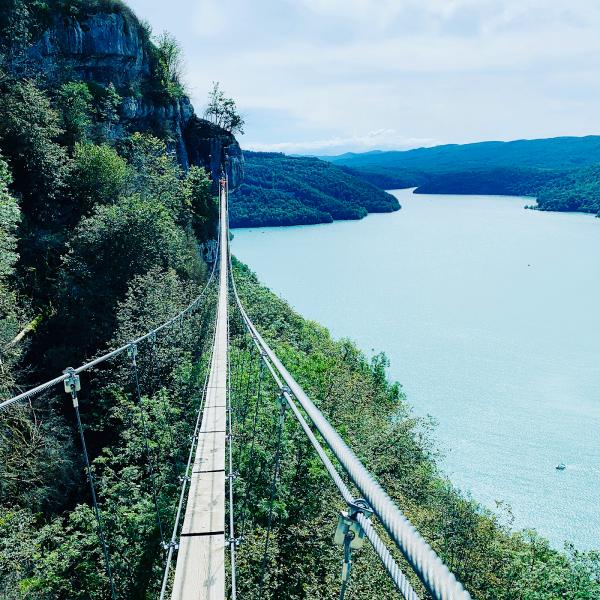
200,555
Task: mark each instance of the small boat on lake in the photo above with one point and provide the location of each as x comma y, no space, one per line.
561,467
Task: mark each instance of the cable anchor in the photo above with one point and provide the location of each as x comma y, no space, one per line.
350,535
132,352
72,384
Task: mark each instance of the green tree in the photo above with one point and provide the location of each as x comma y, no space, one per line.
75,104
156,173
108,249
222,111
29,130
107,102
99,176
15,34
9,318
168,65
203,204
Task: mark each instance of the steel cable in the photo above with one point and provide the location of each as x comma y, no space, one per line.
391,566
230,478
136,379
251,460
433,573
112,354
97,514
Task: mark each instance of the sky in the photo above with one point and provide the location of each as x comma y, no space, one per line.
330,76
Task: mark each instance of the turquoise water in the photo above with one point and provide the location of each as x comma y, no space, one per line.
490,315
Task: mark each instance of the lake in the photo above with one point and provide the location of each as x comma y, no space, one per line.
490,316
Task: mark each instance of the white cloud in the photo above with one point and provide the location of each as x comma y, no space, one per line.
382,139
456,70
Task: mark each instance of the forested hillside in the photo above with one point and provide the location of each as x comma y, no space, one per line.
559,172
285,190
106,214
493,562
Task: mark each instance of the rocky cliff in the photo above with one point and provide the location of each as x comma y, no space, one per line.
108,45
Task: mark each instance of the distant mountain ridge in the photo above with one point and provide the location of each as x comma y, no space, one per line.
548,153
560,172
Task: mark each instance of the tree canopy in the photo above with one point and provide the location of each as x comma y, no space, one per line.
222,111
285,190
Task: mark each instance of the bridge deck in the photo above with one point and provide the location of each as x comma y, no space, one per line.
200,572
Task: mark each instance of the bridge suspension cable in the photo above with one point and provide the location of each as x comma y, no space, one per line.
200,571
439,581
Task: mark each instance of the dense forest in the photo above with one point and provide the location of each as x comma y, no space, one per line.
103,235
560,172
286,190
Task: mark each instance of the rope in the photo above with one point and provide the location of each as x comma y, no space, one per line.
133,350
280,423
232,540
252,444
156,369
93,363
100,527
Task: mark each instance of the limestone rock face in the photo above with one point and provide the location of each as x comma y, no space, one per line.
210,146
105,47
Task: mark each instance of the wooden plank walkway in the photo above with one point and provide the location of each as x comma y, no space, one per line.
200,572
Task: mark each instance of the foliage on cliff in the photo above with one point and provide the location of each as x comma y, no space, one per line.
101,235
285,190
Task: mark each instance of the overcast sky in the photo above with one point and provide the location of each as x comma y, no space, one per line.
329,76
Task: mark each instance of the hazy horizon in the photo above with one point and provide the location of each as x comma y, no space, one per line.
324,77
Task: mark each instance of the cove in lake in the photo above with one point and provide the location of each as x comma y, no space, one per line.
490,316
